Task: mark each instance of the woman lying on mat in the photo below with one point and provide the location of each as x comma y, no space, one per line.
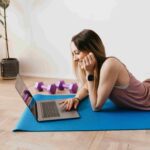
104,77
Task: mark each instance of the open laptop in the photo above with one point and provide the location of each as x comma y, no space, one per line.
43,110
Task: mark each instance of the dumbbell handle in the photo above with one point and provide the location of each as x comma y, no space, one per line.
50,88
38,86
67,85
44,87
60,84
73,87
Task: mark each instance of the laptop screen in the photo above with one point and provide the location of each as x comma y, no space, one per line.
26,95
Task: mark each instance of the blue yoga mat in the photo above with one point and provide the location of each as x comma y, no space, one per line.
109,118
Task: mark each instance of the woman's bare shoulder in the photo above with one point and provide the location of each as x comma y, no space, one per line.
110,70
111,63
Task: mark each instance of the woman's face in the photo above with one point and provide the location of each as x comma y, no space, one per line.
77,54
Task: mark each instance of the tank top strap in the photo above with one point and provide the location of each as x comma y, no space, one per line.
119,61
130,75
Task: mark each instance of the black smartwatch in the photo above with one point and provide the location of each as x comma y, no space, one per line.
90,77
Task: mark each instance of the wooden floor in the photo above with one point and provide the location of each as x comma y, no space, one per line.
11,108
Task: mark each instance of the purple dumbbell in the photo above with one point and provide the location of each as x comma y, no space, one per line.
26,95
73,87
50,88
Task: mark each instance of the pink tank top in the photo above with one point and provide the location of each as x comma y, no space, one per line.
136,95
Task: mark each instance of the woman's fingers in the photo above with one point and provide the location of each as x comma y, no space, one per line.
81,64
75,105
63,103
89,59
69,104
86,62
89,62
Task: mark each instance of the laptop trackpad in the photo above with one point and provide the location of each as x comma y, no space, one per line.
51,110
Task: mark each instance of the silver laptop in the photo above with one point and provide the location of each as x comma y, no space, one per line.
43,110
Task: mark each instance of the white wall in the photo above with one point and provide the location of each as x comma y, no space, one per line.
40,32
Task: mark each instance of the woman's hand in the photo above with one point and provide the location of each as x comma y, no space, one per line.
88,63
70,103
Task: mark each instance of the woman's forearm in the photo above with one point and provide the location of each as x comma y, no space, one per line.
92,92
82,93
92,95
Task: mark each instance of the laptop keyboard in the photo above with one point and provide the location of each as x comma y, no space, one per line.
49,109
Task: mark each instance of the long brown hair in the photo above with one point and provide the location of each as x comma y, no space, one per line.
88,40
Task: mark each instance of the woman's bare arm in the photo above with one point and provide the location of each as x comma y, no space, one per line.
83,92
108,76
74,102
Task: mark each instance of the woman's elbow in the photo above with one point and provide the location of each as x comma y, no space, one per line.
96,108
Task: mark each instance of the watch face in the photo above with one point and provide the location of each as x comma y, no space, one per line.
90,77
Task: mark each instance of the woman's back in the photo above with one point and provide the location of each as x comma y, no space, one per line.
132,94
123,76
